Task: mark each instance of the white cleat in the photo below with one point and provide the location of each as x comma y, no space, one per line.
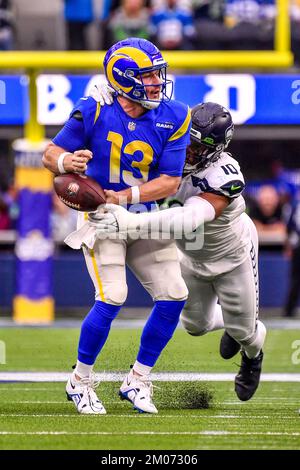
82,393
139,391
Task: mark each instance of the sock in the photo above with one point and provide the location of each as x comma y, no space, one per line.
218,322
159,330
94,331
82,370
141,369
253,349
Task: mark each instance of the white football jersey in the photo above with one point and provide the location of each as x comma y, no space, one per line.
224,240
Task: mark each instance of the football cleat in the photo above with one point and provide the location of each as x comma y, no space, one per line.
82,393
247,380
229,347
139,391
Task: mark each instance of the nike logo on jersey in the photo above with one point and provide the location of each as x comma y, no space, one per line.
232,188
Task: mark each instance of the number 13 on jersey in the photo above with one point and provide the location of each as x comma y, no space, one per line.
115,172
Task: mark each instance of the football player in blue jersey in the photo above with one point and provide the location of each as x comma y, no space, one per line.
135,149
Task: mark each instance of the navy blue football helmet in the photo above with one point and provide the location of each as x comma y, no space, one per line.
212,130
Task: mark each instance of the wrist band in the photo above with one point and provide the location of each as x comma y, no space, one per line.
135,195
60,162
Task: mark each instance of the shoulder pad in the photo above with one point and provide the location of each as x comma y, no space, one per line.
232,188
183,125
226,180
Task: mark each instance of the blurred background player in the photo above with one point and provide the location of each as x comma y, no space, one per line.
222,273
130,19
6,25
135,148
292,250
172,26
266,211
78,16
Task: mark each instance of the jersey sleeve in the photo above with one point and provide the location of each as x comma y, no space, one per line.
224,180
173,157
77,130
71,137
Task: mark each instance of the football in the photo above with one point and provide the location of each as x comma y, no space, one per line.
80,192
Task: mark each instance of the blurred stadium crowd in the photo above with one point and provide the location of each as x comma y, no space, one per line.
171,24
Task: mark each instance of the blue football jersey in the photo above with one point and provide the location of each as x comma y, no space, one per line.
128,151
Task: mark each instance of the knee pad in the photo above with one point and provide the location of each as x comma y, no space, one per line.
109,275
239,333
194,327
166,262
114,293
177,289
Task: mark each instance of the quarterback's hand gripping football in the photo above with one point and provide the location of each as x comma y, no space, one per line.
103,94
77,162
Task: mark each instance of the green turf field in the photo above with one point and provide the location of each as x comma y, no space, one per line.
37,416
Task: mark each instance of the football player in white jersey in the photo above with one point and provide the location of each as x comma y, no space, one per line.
221,271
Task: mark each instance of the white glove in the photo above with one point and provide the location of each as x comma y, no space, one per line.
115,219
103,94
112,218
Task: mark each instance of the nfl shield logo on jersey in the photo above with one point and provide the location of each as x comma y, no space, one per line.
131,126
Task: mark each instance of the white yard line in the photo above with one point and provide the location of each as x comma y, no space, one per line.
140,320
29,389
113,402
139,416
61,402
146,433
160,377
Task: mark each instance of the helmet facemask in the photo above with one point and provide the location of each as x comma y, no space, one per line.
200,156
141,90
